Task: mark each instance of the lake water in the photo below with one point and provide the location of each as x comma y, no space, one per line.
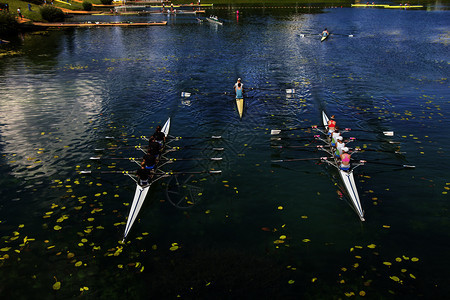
260,229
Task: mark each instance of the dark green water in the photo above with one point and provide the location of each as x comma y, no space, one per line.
64,92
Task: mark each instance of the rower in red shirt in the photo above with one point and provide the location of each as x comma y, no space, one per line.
331,125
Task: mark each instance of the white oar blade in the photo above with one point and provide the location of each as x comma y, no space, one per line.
275,131
185,94
290,91
388,133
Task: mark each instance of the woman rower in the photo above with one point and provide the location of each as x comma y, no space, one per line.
154,148
345,160
331,125
335,134
159,136
143,175
339,145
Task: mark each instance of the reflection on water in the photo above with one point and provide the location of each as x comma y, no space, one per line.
281,228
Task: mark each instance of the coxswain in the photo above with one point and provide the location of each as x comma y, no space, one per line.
345,160
334,135
239,89
159,136
331,125
143,176
339,145
154,148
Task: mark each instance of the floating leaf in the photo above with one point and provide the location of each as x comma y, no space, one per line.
386,263
291,281
412,276
280,207
371,246
5,249
395,278
57,285
414,259
173,248
57,227
314,279
70,255
78,263
362,293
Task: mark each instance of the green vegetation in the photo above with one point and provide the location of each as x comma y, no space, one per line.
8,24
51,13
87,5
106,2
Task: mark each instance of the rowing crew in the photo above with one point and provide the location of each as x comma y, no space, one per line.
151,157
337,141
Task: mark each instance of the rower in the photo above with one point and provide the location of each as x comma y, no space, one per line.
334,135
239,89
345,160
154,148
325,32
339,145
143,176
331,125
159,136
149,161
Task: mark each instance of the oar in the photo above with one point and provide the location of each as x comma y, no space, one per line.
297,147
168,159
214,137
172,148
278,131
387,164
357,149
386,133
298,159
161,173
288,91
188,94
194,148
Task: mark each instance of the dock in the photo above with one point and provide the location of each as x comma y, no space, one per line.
99,24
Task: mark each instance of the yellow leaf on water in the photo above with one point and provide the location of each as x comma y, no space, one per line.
386,263
173,248
57,227
371,246
395,278
362,293
414,259
57,285
283,237
78,263
280,207
314,279
70,255
412,276
5,249
291,281
398,259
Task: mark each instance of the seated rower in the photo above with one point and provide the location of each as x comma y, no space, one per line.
154,148
143,176
331,125
345,160
149,161
334,135
159,136
339,145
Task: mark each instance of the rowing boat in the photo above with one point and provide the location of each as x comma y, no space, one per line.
346,176
214,20
240,106
324,37
141,191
